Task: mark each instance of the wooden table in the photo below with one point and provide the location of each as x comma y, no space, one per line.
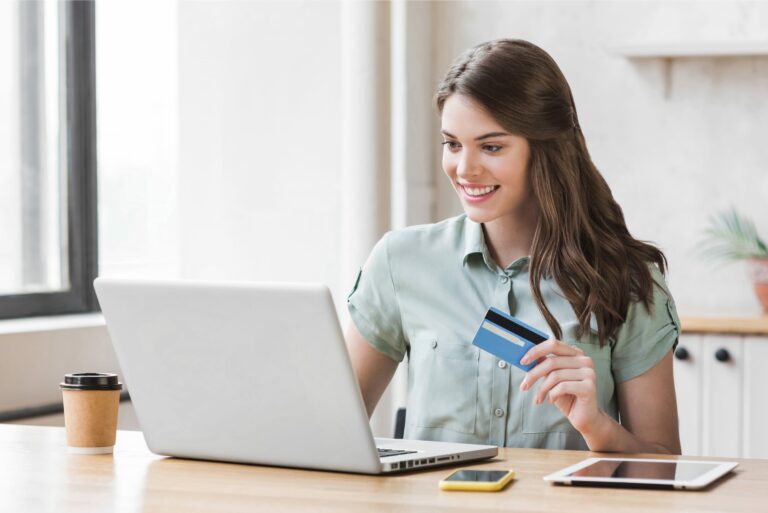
38,475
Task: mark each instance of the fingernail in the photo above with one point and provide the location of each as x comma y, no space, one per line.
523,386
524,361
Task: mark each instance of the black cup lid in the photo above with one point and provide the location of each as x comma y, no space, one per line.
91,381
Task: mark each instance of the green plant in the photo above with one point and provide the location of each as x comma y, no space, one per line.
731,236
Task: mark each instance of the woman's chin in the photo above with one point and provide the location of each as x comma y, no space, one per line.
479,215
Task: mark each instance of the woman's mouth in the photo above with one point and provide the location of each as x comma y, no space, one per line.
477,194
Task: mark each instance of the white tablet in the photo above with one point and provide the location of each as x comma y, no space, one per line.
642,473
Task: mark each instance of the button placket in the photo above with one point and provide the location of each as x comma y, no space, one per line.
500,390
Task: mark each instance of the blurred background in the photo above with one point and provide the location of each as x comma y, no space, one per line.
256,140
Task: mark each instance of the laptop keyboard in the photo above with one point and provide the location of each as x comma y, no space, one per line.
384,453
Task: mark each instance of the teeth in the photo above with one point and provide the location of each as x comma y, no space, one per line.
480,192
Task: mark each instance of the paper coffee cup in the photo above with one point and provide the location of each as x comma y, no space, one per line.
91,400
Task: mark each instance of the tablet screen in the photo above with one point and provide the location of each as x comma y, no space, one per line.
658,470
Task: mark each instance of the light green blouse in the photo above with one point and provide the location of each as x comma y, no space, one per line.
424,291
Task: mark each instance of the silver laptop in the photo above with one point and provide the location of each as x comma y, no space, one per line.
251,373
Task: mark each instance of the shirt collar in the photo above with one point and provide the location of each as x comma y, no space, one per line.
474,243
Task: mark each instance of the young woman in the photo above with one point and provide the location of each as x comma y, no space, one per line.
541,238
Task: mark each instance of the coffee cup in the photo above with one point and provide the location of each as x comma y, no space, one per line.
91,400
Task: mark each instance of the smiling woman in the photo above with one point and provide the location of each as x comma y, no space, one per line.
503,155
541,238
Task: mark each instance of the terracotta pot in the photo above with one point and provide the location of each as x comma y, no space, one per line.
758,271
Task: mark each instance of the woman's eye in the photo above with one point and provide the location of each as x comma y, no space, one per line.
493,148
452,145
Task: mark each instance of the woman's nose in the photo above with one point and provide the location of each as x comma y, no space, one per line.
467,166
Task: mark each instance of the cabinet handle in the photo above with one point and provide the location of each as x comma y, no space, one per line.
722,355
681,353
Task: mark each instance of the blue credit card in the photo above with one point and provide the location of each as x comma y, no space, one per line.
507,338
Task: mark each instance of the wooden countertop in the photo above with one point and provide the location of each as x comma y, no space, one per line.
725,325
37,474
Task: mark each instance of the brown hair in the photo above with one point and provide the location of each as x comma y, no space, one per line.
581,240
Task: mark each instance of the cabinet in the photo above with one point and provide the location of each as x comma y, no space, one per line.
721,382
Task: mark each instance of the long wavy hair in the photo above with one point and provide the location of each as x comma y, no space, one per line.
581,239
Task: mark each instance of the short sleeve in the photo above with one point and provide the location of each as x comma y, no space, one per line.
373,304
646,337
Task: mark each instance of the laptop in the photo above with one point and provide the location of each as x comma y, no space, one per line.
251,373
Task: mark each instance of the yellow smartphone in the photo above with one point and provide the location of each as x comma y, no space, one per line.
477,480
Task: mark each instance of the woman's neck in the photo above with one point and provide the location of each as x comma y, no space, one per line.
510,237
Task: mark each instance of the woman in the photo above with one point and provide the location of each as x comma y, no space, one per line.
541,238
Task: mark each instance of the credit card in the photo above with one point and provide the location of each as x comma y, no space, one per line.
507,338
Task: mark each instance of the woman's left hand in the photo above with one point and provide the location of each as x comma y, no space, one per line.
568,377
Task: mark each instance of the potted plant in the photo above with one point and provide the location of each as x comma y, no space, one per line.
731,236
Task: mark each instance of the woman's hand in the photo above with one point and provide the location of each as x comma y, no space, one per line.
568,378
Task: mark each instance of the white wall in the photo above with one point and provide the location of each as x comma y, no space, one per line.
670,161
34,359
259,141
136,66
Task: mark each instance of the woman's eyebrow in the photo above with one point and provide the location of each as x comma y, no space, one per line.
491,134
484,136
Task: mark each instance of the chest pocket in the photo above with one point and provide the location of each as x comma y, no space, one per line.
546,417
444,384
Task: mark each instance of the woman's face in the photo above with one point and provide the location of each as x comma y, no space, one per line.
487,166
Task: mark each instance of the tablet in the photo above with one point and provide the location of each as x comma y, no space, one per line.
642,473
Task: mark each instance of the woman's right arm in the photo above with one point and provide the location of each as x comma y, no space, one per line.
373,369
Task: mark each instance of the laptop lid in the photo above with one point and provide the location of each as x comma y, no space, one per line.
251,373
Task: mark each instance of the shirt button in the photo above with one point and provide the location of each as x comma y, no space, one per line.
499,412
434,344
504,279
502,364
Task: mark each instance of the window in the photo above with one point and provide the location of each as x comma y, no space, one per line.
48,232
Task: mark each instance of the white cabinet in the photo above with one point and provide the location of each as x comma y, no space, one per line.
755,401
687,365
721,395
721,382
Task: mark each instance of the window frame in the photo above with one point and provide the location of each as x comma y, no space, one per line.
78,22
